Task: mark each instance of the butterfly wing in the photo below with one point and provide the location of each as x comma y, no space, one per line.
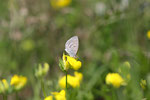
72,45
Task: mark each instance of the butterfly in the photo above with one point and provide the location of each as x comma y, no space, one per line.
72,45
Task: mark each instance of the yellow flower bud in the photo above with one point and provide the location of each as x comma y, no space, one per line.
46,68
143,84
5,83
4,86
42,71
127,64
66,63
1,87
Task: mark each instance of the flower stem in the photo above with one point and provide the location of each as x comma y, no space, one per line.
43,89
17,97
114,95
4,97
66,80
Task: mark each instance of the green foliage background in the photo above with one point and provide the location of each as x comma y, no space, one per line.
32,32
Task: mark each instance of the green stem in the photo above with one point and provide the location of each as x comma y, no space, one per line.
66,87
17,97
4,97
66,80
43,89
114,94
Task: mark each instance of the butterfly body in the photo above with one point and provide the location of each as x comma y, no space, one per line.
72,45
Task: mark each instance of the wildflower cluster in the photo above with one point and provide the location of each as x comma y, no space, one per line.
74,81
16,84
40,73
67,62
70,62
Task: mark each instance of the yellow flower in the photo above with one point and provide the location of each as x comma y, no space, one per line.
79,76
143,84
73,81
18,82
71,62
114,79
74,63
60,3
49,98
4,86
148,34
42,71
57,95
60,95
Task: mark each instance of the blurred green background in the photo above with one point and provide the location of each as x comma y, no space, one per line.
110,32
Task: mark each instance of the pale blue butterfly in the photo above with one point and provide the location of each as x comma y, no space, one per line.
72,45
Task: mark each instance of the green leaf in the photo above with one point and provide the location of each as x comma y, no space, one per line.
61,65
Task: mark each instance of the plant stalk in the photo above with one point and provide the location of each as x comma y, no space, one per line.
114,94
66,80
4,97
17,97
43,88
